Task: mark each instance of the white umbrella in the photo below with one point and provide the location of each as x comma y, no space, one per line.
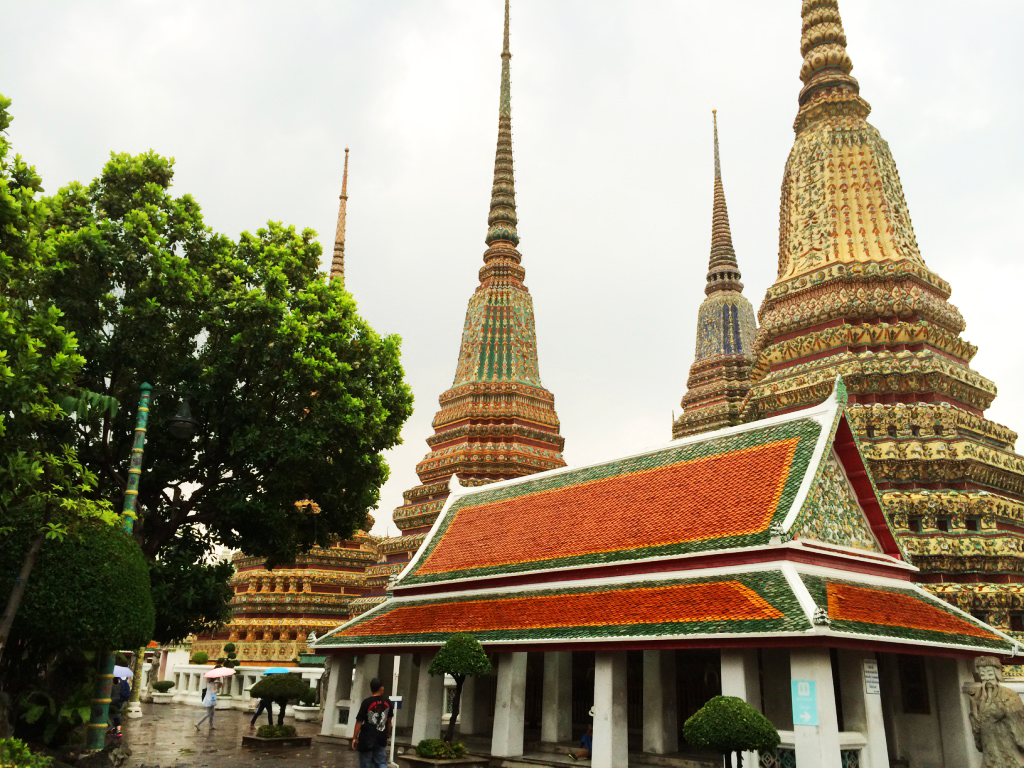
123,673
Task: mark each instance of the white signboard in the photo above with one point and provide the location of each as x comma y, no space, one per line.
871,677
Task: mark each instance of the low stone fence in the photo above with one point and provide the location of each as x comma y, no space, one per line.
234,694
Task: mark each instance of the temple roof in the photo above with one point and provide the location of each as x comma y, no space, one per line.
765,533
777,604
721,490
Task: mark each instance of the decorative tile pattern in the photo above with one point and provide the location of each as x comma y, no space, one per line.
715,494
753,602
831,512
902,613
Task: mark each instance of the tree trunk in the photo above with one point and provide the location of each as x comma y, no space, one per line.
459,681
18,590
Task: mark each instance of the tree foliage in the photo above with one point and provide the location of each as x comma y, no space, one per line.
297,396
41,477
728,724
461,656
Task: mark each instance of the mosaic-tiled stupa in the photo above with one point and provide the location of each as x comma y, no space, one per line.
497,421
720,375
853,296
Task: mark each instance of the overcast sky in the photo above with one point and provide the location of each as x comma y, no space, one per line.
611,106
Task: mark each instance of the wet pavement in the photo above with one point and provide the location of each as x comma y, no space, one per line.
165,736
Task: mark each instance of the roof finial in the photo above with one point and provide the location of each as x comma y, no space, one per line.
723,271
827,65
338,262
502,219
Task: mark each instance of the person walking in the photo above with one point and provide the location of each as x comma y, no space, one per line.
373,726
120,692
210,703
265,704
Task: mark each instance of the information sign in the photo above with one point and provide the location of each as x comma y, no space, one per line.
805,703
871,684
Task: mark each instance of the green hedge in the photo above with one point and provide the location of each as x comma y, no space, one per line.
440,749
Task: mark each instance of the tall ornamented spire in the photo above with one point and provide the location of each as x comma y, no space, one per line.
497,421
720,375
723,271
501,221
826,69
338,262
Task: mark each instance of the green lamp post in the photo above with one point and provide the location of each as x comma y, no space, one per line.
182,425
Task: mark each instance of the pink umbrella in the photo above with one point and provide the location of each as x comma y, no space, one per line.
219,672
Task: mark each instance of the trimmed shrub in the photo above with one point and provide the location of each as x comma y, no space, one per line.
163,686
440,749
200,657
276,731
728,724
308,698
14,753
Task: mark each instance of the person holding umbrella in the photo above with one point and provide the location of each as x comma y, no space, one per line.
210,695
210,703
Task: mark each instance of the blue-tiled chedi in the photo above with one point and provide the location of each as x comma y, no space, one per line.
720,374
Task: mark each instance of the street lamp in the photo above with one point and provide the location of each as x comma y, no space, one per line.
183,426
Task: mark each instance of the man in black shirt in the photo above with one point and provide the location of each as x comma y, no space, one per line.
373,724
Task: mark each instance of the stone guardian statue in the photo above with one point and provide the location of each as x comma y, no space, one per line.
997,716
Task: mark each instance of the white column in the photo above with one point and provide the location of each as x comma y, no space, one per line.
661,712
330,696
556,708
610,732
408,679
816,745
426,721
469,707
509,706
740,679
949,676
862,704
366,670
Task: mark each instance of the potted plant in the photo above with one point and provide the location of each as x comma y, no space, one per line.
161,691
728,724
306,709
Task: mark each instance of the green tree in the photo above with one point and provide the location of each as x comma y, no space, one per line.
727,724
461,656
41,479
280,689
90,590
296,394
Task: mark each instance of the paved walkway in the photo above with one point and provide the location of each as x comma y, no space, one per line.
165,736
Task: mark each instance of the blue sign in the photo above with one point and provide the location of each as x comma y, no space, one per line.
805,703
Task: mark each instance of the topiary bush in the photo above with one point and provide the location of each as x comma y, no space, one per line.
200,657
230,657
163,686
461,656
439,749
308,698
276,731
280,689
728,724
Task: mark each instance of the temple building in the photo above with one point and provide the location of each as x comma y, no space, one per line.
753,561
720,375
853,296
497,421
